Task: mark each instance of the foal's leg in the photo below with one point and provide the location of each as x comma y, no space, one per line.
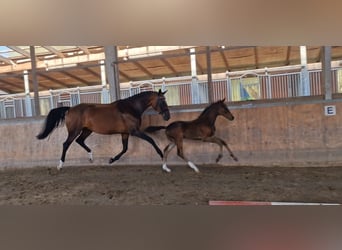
80,140
71,137
180,153
124,139
145,137
167,150
220,142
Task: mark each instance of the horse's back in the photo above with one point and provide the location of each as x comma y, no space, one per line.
194,129
100,118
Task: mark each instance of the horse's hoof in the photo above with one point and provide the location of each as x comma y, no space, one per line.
91,159
165,168
218,158
111,160
60,165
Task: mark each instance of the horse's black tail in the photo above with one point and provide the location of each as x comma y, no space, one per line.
152,129
53,120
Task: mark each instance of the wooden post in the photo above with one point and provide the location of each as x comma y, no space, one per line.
34,80
210,84
305,81
326,83
112,72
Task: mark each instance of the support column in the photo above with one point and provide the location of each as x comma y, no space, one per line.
210,83
34,80
195,96
28,107
304,89
112,72
326,81
104,92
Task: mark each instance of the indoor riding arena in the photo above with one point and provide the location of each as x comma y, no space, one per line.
286,132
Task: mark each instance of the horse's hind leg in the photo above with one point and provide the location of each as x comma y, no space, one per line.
145,137
124,138
66,144
80,140
167,150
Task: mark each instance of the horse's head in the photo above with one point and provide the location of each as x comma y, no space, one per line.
159,104
223,110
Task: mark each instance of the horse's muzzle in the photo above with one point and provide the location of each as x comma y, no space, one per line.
166,115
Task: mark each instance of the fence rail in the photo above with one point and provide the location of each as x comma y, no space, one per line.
181,91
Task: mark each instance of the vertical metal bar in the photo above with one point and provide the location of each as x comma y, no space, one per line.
210,87
229,88
304,83
195,98
34,80
28,108
104,92
326,73
112,72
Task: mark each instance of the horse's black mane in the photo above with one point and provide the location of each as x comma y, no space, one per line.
207,109
124,105
142,94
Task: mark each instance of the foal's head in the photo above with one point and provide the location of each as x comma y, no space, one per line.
223,110
158,103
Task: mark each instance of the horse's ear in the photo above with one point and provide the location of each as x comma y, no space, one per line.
161,93
223,100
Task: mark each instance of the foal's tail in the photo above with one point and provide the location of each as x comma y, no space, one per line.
53,120
152,129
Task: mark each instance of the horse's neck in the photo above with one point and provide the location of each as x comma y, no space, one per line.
139,105
208,118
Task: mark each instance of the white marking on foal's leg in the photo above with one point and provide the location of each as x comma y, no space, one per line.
193,166
60,165
165,168
90,156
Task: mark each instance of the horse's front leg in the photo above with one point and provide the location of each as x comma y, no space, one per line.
221,143
145,137
124,139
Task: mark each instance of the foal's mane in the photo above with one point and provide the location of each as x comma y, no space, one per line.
208,110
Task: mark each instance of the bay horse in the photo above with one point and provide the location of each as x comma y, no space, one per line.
119,117
202,128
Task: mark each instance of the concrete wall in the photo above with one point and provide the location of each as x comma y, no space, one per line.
265,134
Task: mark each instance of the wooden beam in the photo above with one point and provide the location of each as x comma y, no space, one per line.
84,49
256,57
125,75
75,77
8,90
319,58
6,60
20,51
143,69
225,60
21,86
168,64
288,54
92,72
52,79
54,51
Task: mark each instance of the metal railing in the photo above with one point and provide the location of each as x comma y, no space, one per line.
249,85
